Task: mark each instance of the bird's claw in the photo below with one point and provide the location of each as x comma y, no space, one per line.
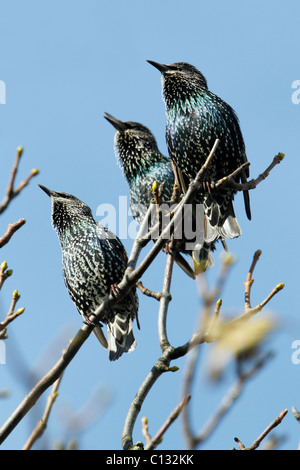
87,321
114,290
208,186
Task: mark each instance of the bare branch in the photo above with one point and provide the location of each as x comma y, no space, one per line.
145,429
11,315
296,413
12,192
271,426
49,378
11,229
249,281
42,424
164,303
4,273
228,401
230,181
172,417
148,292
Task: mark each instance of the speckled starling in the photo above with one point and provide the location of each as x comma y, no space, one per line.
93,262
142,163
196,117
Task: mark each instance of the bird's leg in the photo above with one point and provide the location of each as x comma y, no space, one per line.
208,186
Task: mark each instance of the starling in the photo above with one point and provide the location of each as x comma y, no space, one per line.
142,164
93,261
196,117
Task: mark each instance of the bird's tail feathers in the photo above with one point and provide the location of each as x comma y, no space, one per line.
98,332
230,227
211,234
120,336
221,226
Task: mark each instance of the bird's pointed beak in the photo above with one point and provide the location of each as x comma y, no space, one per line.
161,67
48,191
118,125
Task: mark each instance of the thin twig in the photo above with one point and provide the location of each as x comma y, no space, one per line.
145,429
11,229
45,382
249,281
148,292
296,413
253,311
172,417
12,192
229,180
42,424
271,426
11,315
4,273
228,401
164,303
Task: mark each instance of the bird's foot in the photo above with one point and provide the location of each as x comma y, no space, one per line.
115,291
208,186
87,321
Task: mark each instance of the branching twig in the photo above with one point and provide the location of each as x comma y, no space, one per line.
4,273
229,180
145,429
11,229
12,192
11,315
258,441
148,292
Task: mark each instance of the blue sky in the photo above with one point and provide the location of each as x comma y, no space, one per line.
66,63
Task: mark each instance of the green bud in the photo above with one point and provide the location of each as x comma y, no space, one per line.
20,311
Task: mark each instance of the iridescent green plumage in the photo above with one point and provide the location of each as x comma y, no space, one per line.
196,117
142,163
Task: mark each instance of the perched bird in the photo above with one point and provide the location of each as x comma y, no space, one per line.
142,164
93,262
196,117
